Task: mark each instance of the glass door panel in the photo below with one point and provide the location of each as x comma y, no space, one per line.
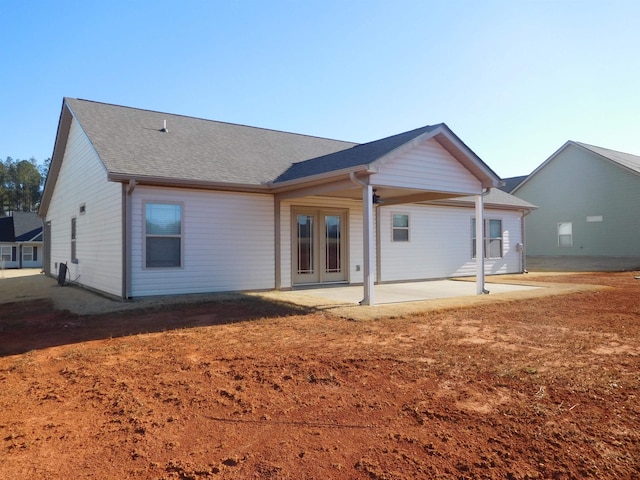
304,259
334,264
305,244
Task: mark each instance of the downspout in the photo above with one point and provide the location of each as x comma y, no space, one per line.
524,242
480,290
367,227
278,244
126,234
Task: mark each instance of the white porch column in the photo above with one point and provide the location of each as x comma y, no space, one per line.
368,235
479,244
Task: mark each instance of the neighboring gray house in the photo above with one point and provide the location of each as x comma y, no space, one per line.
21,240
588,215
140,203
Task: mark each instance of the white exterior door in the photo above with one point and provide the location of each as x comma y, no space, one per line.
319,246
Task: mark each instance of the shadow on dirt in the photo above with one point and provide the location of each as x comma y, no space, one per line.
33,325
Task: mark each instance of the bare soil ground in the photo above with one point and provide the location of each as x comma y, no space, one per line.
537,388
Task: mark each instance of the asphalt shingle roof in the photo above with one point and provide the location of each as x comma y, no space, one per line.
20,227
627,160
499,198
512,182
361,154
27,226
130,141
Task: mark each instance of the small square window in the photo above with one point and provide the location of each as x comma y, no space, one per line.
565,234
400,227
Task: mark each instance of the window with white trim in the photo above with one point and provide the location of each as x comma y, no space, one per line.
74,258
492,238
6,254
400,227
565,234
29,253
163,235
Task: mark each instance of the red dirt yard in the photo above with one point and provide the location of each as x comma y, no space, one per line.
538,388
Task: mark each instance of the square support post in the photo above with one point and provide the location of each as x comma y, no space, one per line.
480,245
368,237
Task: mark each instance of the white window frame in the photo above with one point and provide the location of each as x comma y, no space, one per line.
394,228
145,236
3,249
486,240
569,235
27,251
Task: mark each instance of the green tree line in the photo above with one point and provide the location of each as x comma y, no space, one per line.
21,183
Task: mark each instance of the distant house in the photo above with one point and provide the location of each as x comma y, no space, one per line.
510,184
21,241
589,210
141,203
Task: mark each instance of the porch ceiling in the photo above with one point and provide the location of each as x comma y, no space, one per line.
393,196
387,195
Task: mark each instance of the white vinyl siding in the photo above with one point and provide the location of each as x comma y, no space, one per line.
439,246
228,243
427,166
83,180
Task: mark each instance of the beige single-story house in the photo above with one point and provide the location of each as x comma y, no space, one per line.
140,203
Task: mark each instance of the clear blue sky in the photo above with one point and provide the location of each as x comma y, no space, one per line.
513,79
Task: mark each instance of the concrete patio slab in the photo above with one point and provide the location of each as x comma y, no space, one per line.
392,300
410,291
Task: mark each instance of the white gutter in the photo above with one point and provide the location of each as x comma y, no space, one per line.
319,177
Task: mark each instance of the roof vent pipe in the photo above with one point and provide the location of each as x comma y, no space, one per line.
164,128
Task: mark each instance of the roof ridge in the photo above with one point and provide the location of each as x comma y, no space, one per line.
209,120
590,146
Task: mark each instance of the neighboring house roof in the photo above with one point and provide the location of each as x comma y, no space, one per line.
624,160
21,227
495,198
511,183
6,230
632,162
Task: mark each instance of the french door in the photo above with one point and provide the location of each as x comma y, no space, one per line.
319,253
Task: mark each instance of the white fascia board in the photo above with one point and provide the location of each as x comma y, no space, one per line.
319,178
186,183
